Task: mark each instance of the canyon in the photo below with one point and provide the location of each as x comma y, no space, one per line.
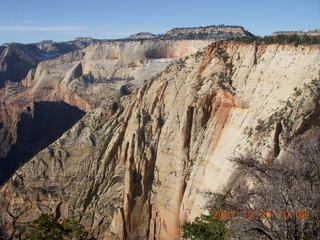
86,79
84,73
153,125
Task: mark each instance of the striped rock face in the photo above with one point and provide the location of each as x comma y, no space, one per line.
95,76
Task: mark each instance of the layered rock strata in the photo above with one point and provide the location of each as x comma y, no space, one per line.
95,76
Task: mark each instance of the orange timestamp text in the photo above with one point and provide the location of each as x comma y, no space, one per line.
263,214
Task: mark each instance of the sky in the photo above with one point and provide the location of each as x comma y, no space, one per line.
60,20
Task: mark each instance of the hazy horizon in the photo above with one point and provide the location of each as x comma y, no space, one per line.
28,22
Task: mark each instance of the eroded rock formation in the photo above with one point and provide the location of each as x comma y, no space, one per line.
95,76
138,169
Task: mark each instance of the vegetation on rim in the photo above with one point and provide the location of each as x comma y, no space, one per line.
281,39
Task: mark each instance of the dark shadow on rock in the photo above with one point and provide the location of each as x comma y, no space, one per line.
37,129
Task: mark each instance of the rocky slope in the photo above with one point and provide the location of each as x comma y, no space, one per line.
139,169
39,125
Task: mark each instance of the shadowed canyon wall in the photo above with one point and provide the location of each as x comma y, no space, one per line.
39,126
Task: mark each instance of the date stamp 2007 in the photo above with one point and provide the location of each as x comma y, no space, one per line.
263,214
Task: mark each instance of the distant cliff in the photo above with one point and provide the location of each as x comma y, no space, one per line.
142,35
214,33
17,59
208,29
307,33
209,32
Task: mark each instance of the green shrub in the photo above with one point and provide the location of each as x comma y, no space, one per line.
73,228
281,39
204,228
45,227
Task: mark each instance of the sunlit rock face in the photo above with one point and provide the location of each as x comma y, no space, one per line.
95,76
138,168
85,73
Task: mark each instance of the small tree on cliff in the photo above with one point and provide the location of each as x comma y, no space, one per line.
74,229
44,228
47,228
204,228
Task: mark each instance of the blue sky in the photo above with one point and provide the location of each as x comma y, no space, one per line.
36,20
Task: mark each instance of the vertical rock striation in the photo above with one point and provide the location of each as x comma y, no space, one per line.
87,78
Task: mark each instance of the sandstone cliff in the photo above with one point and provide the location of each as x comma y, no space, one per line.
138,169
95,76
